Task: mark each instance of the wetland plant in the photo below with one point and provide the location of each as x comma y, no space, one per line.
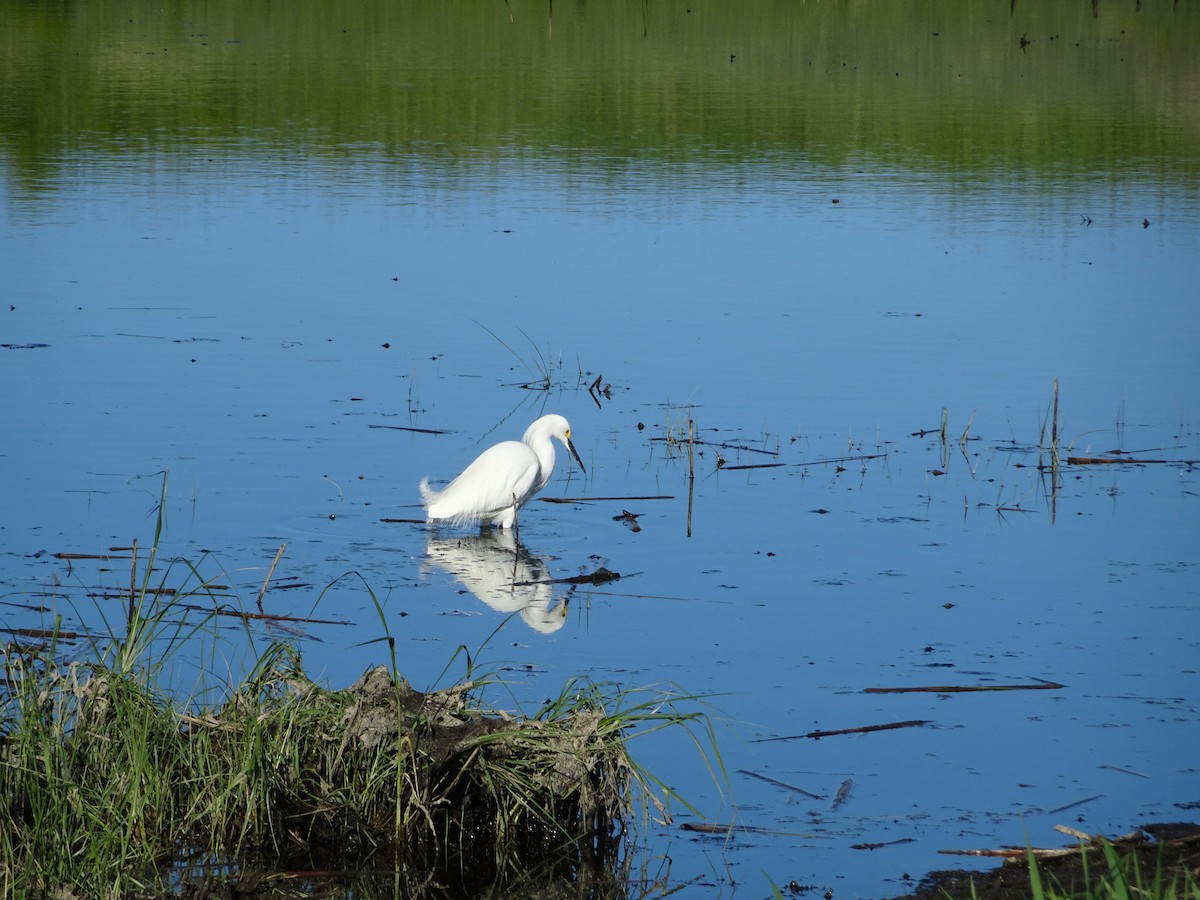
540,366
111,784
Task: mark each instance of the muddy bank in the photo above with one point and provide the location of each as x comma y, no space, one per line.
1172,848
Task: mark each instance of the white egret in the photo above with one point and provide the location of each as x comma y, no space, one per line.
492,488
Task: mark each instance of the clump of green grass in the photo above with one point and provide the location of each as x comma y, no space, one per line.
1050,435
107,780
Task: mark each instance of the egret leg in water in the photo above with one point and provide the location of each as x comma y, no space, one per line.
492,488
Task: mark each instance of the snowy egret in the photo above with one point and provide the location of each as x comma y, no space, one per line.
492,488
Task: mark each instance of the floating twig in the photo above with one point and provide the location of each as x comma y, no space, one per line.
724,446
1072,805
601,499
755,466
740,447
1127,460
262,592
714,828
1054,425
842,459
409,428
862,729
960,688
150,591
783,784
709,828
880,844
600,576
691,471
1123,771
70,556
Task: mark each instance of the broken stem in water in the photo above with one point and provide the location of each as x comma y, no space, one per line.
262,592
691,471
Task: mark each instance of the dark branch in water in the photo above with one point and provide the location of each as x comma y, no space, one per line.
862,729
604,499
842,459
600,576
407,428
783,784
1128,460
960,688
722,445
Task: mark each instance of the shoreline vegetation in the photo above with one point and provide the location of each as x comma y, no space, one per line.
111,789
113,785
967,90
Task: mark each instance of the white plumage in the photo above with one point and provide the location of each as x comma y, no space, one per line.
492,488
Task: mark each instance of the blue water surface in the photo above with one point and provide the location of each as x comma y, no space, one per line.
281,341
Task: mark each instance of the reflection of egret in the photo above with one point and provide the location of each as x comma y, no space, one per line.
492,488
501,573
